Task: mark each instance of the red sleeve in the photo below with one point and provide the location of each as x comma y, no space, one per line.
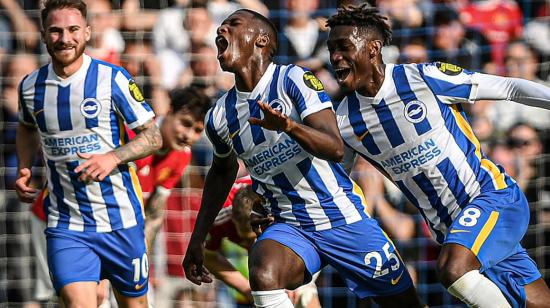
178,162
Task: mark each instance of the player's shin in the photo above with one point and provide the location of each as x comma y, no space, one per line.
272,299
476,290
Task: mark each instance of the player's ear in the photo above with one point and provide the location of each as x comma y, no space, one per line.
375,48
262,40
88,33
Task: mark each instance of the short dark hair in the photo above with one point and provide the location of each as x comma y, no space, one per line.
243,202
191,100
51,5
270,27
363,16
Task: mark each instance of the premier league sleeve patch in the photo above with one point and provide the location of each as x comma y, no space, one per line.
135,91
313,82
449,69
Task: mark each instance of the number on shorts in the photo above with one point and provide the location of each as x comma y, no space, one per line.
141,267
469,217
378,259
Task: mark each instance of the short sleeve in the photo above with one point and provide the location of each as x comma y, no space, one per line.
24,113
306,91
452,84
221,147
129,100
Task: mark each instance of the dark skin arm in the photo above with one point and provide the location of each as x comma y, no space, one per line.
319,135
217,185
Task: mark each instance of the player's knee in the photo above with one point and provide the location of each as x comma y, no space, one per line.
448,272
264,277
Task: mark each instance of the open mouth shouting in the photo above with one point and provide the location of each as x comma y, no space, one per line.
341,73
221,44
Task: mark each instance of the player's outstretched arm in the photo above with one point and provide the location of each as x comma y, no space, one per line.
217,185
318,135
27,141
218,265
98,166
491,87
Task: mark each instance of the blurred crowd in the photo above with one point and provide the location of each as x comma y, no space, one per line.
169,44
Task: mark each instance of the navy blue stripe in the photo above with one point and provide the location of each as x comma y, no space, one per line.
407,95
220,146
113,210
442,87
121,102
388,124
440,237
62,208
84,204
295,95
46,205
455,185
347,186
257,132
268,195
90,90
115,129
273,86
64,108
359,126
27,117
232,117
298,204
429,190
325,198
39,95
132,194
323,96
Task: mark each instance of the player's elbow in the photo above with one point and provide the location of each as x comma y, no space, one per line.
337,154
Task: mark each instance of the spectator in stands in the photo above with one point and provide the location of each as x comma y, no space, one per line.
15,67
302,41
405,16
140,15
106,43
525,142
413,52
140,61
17,30
499,20
174,34
220,9
521,62
455,43
537,34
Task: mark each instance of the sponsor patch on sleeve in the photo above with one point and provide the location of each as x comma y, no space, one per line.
449,69
313,82
135,91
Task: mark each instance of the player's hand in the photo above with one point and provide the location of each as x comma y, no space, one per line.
25,193
97,166
193,265
273,119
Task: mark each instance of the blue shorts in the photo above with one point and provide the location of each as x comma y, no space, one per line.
361,252
491,226
119,256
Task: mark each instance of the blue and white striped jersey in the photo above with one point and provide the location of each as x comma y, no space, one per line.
85,113
415,131
301,189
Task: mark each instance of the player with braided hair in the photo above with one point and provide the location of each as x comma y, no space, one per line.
407,120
